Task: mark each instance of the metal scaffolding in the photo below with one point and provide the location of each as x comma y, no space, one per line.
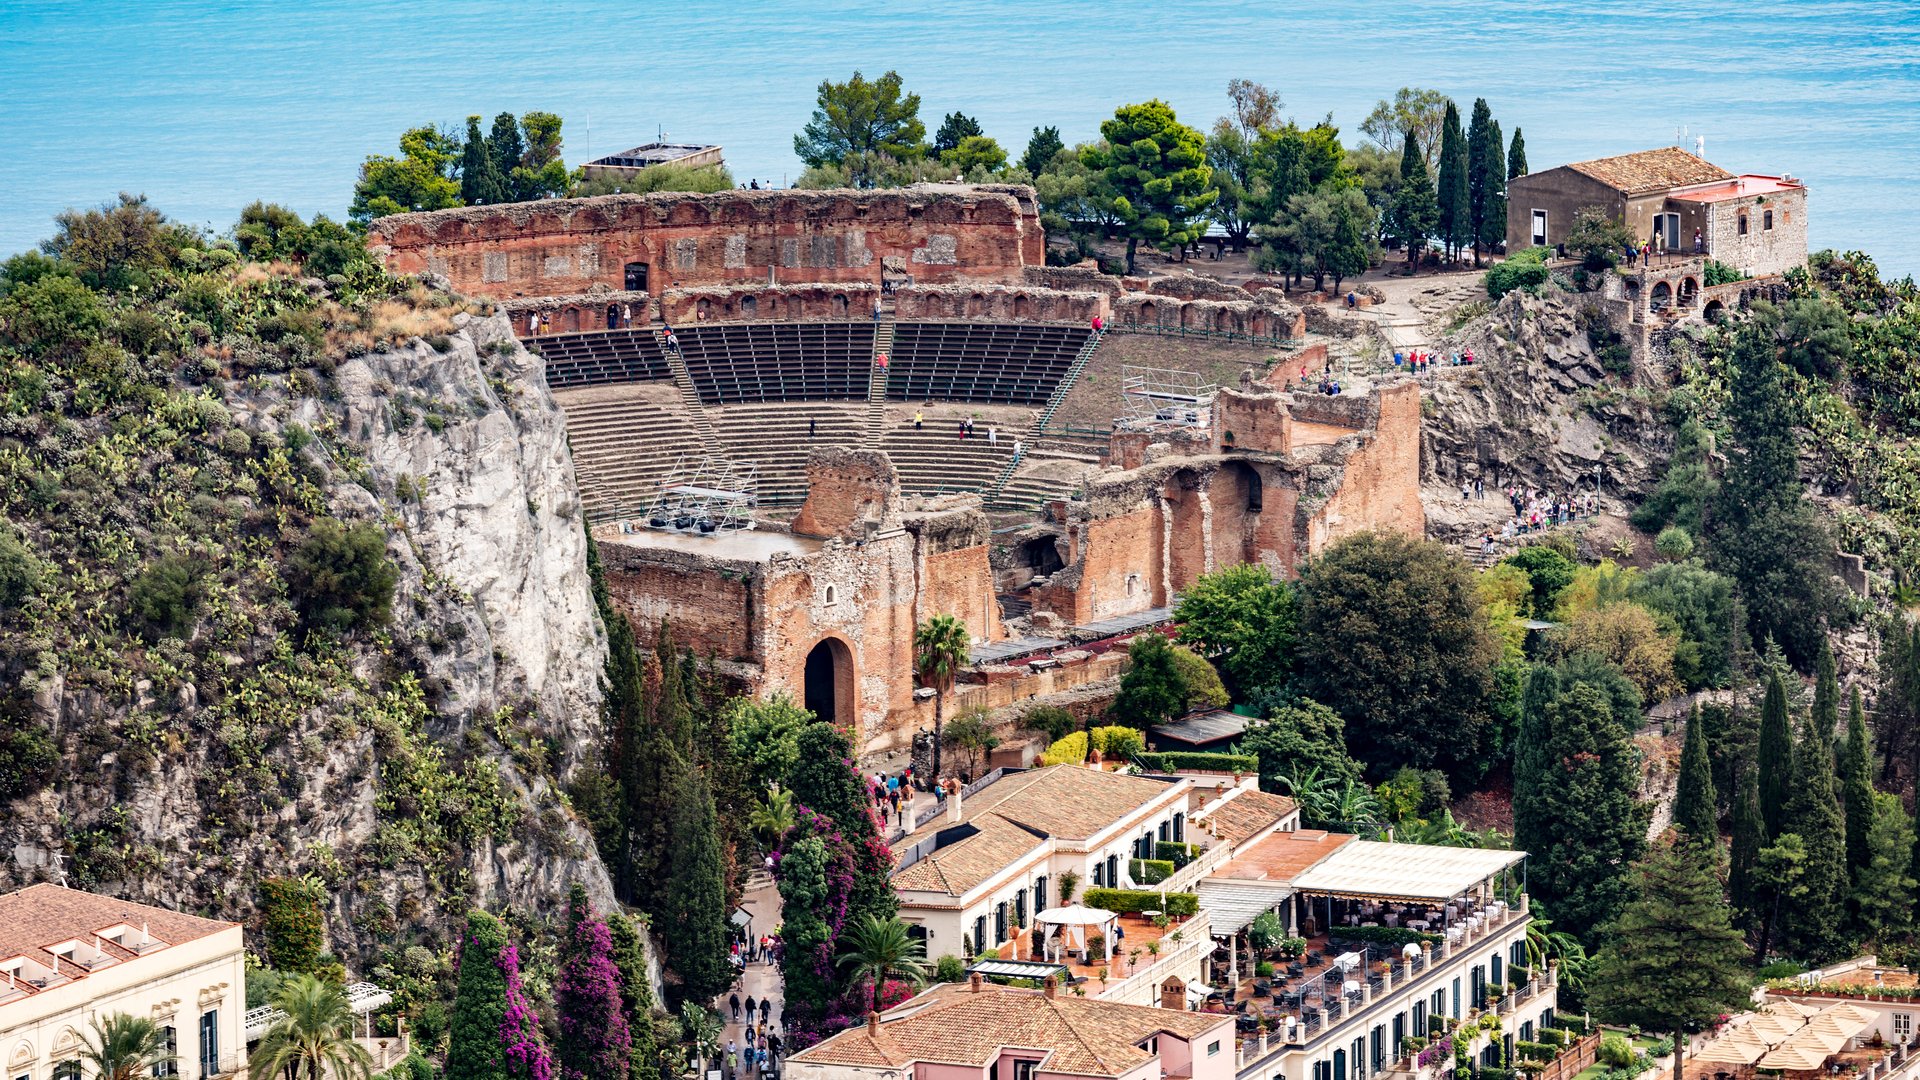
706,495
1157,398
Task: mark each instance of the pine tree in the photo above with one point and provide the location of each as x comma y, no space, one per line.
1744,889
1517,156
1815,924
480,182
1884,893
1675,963
1588,791
1857,774
1694,811
1411,218
594,1041
1486,179
1775,756
1455,222
493,1032
507,148
693,920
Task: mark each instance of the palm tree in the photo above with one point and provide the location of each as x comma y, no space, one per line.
702,1029
312,1037
882,948
773,818
1544,943
941,647
125,1047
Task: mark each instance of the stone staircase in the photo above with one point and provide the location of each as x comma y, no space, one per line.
696,411
774,437
625,441
995,491
877,377
935,460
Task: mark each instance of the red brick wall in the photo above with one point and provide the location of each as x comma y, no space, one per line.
960,584
1257,421
1116,547
708,604
846,488
566,245
1381,487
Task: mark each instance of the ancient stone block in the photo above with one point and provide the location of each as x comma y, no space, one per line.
686,253
941,250
556,266
736,254
823,252
493,266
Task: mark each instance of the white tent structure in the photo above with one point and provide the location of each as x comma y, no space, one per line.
1073,922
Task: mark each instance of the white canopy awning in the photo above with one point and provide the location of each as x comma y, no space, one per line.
1424,872
1076,915
1232,905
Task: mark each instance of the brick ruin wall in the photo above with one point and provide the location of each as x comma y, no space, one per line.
999,303
769,303
1380,485
850,493
931,233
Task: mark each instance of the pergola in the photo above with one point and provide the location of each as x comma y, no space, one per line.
1074,920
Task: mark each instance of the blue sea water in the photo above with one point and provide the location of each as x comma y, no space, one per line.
206,106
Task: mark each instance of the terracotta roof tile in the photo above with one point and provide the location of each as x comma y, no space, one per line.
954,1024
963,865
35,918
1068,802
1651,170
1246,814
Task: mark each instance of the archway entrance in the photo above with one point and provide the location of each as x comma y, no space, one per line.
827,685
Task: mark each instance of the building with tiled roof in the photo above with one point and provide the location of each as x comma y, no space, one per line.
67,956
982,1030
1679,203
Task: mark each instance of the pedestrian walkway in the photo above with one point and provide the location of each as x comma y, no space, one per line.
760,981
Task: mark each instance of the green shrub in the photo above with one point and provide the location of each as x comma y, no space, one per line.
1134,901
1176,760
1525,269
1175,852
26,746
1719,273
1384,935
167,594
1050,720
1150,871
949,969
1488,1072
1674,543
1113,742
291,923
340,576
1615,1051
20,572
1537,1051
1781,969
1262,970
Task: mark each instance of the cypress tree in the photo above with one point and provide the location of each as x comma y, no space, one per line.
806,960
1857,773
1675,962
1517,156
629,953
1826,693
1493,222
1455,221
493,1032
594,1040
1744,890
507,148
1693,807
693,921
480,182
1775,756
1814,924
1588,791
1531,828
1486,167
1411,218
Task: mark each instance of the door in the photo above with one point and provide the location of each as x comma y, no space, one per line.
636,277
1539,228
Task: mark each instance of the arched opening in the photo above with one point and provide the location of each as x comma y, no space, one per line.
1715,311
749,307
1022,307
1689,292
839,305
976,304
613,316
1146,314
703,308
833,594
636,277
572,319
827,685
1662,296
1041,555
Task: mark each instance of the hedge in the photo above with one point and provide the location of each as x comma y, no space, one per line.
1150,871
1175,852
1176,760
1134,901
1113,741
1384,935
1536,1050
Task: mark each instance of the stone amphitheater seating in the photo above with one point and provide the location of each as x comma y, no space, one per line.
626,440
732,363
935,460
598,357
773,435
1053,469
989,363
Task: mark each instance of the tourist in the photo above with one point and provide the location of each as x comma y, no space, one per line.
881,360
748,1035
1398,359
733,1053
993,435
1646,254
1466,492
963,431
626,315
1699,242
1098,324
750,1008
1018,448
733,1000
916,419
813,425
876,311
1479,489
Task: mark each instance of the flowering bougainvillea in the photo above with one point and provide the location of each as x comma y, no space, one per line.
594,1041
495,1034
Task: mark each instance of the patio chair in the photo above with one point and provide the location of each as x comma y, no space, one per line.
1294,970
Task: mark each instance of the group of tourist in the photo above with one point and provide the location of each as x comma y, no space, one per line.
757,1050
966,430
892,796
1419,361
1534,510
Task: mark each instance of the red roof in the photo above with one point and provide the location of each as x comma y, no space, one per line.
1740,187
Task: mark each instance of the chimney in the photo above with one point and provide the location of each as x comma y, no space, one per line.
873,1023
974,983
1050,987
1173,995
953,801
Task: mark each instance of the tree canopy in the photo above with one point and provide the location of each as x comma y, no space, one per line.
1247,619
858,122
1156,171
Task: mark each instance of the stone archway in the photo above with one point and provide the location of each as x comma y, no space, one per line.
749,307
1022,307
1715,311
1661,296
1689,292
827,682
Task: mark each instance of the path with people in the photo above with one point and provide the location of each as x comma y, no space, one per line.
760,980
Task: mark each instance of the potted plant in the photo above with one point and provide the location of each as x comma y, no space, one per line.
1153,948
1133,960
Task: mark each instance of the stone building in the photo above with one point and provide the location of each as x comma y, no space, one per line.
1684,204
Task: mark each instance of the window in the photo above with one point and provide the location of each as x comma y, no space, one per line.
1359,1059
1166,831
170,1067
1179,828
832,594
1099,875
1023,1070
1000,923
67,1070
1766,221
1040,893
1419,1019
1526,1032
1339,1065
1902,1026
1477,981
1399,1030
1020,908
1377,1048
210,1042
1743,223
1322,1071
1539,228
636,277
980,934
1497,969
1113,871
1213,1048
1456,997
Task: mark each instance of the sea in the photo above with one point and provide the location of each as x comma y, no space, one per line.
206,106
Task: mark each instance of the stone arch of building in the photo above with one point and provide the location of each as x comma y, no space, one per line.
827,681
1689,292
1715,310
1661,296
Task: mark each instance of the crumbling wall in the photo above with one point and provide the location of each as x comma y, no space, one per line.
850,493
1254,422
580,311
770,303
955,572
999,303
1084,277
562,246
708,602
1380,485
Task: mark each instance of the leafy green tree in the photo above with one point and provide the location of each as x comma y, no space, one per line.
313,1036
1486,180
1598,238
805,897
972,734
1394,638
1813,334
123,1047
1245,618
955,128
693,920
1816,923
481,183
423,177
941,647
1705,608
1775,756
1298,736
541,173
976,152
1042,148
167,594
1152,691
340,576
508,150
1455,222
1156,169
1204,688
1594,825
1746,892
881,949
705,179
1548,571
1326,231
1517,156
857,122
54,316
493,1033
120,244
1856,772
628,951
293,928
765,735
1675,963
1884,890
1695,810
826,783
1414,116
1233,151
1416,209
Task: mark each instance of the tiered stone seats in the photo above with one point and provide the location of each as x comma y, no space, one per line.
626,440
989,363
936,461
773,435
731,363
598,357
1054,468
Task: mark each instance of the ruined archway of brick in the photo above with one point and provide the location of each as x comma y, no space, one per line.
1236,497
827,682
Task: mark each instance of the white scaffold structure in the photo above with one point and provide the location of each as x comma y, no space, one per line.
706,495
1157,398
